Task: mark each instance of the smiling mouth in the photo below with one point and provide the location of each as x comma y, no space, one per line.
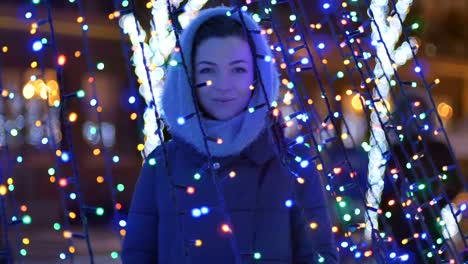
224,100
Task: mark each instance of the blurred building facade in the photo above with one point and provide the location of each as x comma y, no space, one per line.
26,103
444,42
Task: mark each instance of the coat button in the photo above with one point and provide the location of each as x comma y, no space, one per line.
216,165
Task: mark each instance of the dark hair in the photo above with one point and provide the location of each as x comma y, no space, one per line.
220,26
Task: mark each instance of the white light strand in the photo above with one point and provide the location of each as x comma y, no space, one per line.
390,29
449,221
156,52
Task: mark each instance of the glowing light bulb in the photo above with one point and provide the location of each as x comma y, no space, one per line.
190,190
196,212
99,211
180,120
204,210
63,182
37,45
198,243
225,228
61,60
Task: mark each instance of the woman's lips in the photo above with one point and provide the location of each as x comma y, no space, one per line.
223,100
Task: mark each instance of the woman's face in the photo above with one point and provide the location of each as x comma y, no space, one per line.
228,63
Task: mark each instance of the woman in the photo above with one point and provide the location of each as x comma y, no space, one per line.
236,203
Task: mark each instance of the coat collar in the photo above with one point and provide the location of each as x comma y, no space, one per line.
261,150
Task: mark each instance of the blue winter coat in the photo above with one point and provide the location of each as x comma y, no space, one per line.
255,198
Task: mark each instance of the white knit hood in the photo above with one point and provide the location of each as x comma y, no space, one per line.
177,101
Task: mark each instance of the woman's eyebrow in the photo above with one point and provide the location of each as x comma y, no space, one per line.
207,62
231,63
237,61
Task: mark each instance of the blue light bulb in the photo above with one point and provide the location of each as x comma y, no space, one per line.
37,45
196,212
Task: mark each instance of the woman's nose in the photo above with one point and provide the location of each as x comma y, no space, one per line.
223,82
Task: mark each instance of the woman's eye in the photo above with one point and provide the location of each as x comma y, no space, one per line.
205,70
240,70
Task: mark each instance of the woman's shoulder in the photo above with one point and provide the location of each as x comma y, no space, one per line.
160,152
172,149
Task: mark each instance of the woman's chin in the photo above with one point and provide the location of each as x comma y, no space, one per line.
224,116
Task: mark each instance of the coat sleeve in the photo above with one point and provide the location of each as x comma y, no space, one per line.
312,235
141,240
